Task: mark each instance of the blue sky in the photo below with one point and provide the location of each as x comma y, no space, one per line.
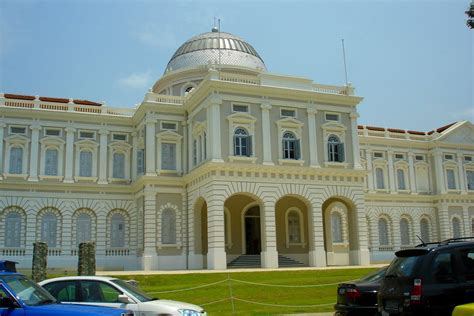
412,61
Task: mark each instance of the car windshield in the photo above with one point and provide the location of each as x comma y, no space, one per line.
139,294
402,267
377,275
28,291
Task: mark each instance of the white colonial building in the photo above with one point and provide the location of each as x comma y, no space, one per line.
223,159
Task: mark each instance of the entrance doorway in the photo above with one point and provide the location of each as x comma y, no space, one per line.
253,240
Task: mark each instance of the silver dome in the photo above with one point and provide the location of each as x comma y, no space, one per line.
203,49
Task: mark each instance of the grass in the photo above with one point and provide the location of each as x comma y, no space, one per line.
299,297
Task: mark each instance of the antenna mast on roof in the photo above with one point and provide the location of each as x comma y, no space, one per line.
345,66
219,42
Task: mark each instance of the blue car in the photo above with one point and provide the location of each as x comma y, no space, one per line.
19,296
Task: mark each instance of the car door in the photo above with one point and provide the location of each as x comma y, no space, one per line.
466,260
64,291
96,292
8,311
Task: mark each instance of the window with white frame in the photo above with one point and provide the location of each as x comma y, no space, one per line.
49,224
451,178
335,117
336,227
168,156
87,134
51,162
117,231
169,126
420,158
287,112
335,149
119,161
456,226
13,221
85,163
399,156
83,228
291,146
51,156
401,179
405,231
195,149
118,165
242,108
19,130
16,160
52,132
449,157
294,227
467,158
120,137
383,232
86,159
379,178
199,142
470,179
168,227
425,230
242,143
378,154
141,161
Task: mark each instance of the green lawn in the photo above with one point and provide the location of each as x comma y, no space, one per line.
274,295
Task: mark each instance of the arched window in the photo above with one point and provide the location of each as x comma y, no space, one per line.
16,160
13,230
291,146
49,224
405,231
472,227
335,149
401,179
383,232
85,164
119,165
117,231
188,90
51,162
242,143
456,227
168,227
379,178
294,228
336,227
425,230
83,228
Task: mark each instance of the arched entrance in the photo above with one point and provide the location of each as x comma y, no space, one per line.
252,231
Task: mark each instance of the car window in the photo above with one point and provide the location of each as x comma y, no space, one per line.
3,297
377,275
96,291
467,263
442,267
64,291
402,266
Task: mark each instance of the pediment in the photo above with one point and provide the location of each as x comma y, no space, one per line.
86,143
289,122
460,134
17,139
169,135
53,140
241,117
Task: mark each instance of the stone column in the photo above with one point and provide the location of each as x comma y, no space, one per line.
191,146
439,172
34,155
411,170
266,133
391,172
150,151
214,128
317,254
397,238
216,256
466,220
361,256
355,140
269,253
462,174
444,224
370,174
313,136
103,157
150,260
185,148
374,236
2,126
134,155
68,174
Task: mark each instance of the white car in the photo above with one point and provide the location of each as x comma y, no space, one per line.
112,292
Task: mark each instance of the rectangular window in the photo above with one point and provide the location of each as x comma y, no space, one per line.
448,157
399,156
401,179
52,132
332,117
141,161
51,162
379,177
240,108
287,113
468,158
16,160
451,179
18,130
470,179
195,152
85,164
119,165
168,156
378,155
169,126
119,137
87,134
419,158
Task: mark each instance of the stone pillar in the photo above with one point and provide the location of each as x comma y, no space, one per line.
361,256
150,260
411,171
317,254
391,172
68,174
444,224
370,174
439,172
40,261
185,148
191,146
313,136
266,133
34,155
462,174
216,256
150,151
103,157
355,140
214,128
467,222
134,155
374,236
269,253
397,238
2,126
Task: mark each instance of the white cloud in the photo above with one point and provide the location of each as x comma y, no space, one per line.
136,80
464,114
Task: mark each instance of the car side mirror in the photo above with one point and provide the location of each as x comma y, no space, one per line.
122,298
7,302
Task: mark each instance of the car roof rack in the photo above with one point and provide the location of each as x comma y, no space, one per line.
8,266
450,240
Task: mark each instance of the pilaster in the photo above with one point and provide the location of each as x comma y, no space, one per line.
317,254
34,157
150,260
444,224
214,128
69,155
134,155
462,174
370,174
355,140
269,253
391,172
103,156
466,221
411,171
313,136
439,171
361,256
150,151
266,133
2,127
216,256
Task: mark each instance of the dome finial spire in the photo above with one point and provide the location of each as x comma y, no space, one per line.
215,29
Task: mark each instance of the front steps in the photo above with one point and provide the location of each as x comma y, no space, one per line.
254,261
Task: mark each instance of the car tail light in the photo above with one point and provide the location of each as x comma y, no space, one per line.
352,294
416,292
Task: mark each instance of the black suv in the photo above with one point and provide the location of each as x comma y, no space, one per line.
430,279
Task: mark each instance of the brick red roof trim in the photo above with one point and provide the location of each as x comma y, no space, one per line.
374,128
396,130
416,133
57,100
48,99
18,96
86,102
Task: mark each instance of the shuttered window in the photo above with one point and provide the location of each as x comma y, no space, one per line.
383,232
242,143
119,166
294,230
456,227
13,230
168,156
85,164
83,228
405,231
336,225
425,230
16,160
291,146
335,149
451,179
141,161
117,231
51,162
401,179
168,227
379,178
49,224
